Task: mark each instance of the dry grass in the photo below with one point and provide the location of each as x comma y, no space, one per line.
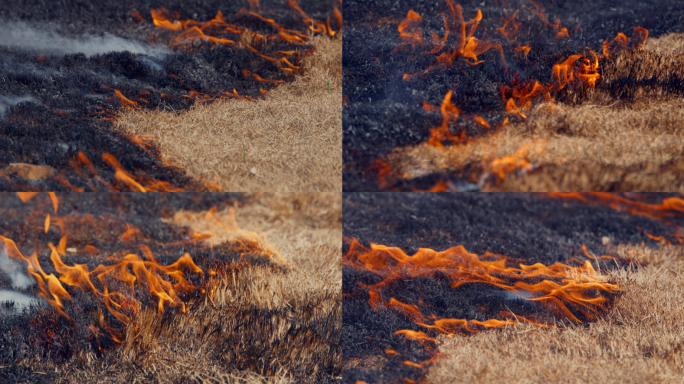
639,341
289,141
261,324
600,143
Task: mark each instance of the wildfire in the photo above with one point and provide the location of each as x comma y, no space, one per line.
119,288
575,293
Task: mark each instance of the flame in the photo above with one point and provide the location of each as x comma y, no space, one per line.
441,186
119,285
639,36
383,170
481,121
524,48
511,107
125,102
127,271
195,33
137,16
669,208
442,133
510,164
410,29
567,292
259,78
563,72
513,23
134,183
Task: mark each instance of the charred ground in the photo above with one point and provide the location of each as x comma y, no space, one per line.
528,228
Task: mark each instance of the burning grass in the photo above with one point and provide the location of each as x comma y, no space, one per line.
627,136
258,322
639,340
289,141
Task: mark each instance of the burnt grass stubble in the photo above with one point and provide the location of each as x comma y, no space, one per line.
383,112
39,332
519,226
31,132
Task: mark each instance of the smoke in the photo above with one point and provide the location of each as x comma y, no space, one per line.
14,271
5,103
19,300
21,35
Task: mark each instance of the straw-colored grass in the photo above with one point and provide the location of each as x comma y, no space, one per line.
638,341
602,143
289,141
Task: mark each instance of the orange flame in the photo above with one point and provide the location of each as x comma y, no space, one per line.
410,29
442,133
639,36
510,164
566,291
513,23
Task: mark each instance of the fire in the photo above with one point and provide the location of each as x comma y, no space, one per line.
410,29
524,48
128,270
442,133
467,45
122,285
639,36
509,164
140,183
668,209
512,34
539,11
578,294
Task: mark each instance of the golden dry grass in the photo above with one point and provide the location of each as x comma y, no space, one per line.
289,141
598,143
638,341
261,324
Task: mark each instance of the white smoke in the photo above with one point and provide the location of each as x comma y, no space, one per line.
5,103
19,300
21,35
14,270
